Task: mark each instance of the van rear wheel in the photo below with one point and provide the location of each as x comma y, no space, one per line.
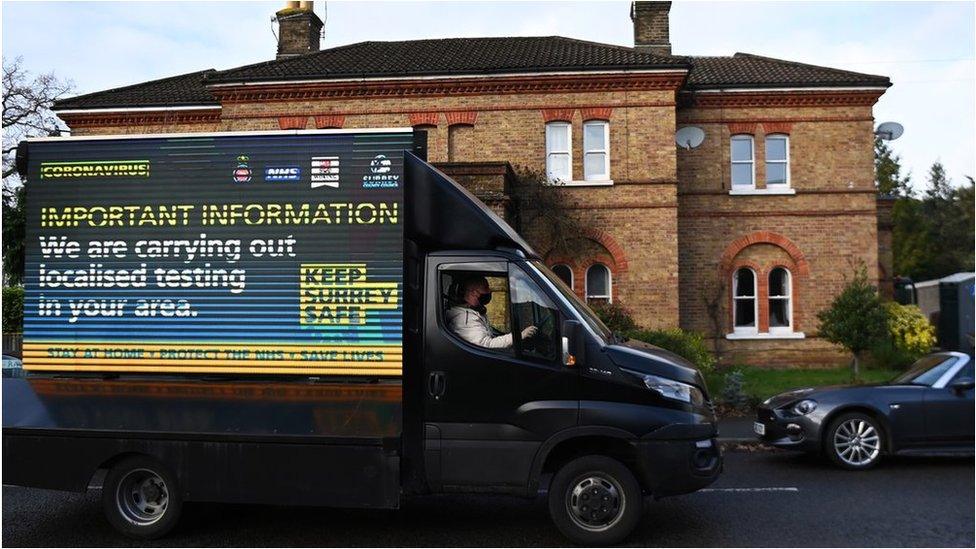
140,498
595,500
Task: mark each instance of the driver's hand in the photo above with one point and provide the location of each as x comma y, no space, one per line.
529,332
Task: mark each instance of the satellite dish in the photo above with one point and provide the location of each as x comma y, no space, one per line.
689,137
889,131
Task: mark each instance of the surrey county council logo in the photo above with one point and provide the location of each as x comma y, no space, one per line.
325,172
282,173
242,173
95,168
380,177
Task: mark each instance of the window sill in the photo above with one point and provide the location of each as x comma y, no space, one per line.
584,183
765,335
761,192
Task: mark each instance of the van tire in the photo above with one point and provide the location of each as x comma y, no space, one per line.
141,499
609,482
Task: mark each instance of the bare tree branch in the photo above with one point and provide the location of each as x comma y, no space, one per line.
27,101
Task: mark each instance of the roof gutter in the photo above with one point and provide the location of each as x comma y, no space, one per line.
106,110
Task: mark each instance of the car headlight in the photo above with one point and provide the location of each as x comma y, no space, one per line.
804,407
669,388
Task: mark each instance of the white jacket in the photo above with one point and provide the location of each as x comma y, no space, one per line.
473,327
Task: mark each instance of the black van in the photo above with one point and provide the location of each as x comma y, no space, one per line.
495,377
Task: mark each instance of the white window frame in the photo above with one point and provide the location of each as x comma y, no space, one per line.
597,148
572,280
751,161
568,152
786,138
754,329
586,284
788,297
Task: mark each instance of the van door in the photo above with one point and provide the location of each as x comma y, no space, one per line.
496,388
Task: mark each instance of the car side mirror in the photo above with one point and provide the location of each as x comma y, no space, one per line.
573,343
961,385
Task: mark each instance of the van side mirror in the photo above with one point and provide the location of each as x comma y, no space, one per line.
961,385
573,343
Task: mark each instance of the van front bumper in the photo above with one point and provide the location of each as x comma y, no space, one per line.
679,459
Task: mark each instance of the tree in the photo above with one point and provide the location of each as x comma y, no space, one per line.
27,101
856,320
887,171
933,234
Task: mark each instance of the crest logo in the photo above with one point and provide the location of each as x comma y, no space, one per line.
242,173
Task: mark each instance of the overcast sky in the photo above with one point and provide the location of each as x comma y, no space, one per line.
927,48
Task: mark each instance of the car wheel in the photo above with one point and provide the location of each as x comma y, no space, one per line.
595,500
140,498
854,441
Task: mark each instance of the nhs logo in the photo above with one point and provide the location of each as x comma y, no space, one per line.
282,173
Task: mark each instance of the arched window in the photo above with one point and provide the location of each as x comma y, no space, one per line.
743,162
780,300
559,157
598,283
565,274
777,160
744,308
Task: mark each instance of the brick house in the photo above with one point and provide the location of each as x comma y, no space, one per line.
744,237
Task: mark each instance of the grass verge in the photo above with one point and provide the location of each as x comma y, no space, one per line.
762,383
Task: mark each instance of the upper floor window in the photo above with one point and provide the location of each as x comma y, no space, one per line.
564,273
743,161
777,160
559,156
744,307
598,283
780,305
596,150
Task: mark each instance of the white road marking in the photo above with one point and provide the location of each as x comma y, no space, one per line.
770,489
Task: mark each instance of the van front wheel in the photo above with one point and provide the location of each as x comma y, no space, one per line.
595,500
140,498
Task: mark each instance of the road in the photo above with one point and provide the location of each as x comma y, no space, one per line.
763,499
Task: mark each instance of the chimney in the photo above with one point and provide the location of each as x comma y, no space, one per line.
651,34
299,29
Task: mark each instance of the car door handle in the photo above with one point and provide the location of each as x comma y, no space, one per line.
436,384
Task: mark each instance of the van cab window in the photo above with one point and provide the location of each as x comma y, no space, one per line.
532,308
505,312
476,308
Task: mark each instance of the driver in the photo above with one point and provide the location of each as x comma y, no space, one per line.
468,318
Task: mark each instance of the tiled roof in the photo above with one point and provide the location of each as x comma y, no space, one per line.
745,70
456,56
185,89
450,56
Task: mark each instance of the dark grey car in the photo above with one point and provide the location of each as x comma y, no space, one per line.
926,410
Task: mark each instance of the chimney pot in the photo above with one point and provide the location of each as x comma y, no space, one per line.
651,27
299,30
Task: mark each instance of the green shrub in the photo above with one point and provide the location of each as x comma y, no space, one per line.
855,319
908,329
733,391
13,309
910,336
688,345
615,316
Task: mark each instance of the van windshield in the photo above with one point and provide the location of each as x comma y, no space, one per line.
588,315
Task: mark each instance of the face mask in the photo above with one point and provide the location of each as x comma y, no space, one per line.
484,299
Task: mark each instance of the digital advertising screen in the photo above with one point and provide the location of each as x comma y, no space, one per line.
278,253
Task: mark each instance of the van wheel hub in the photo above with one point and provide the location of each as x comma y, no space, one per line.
596,502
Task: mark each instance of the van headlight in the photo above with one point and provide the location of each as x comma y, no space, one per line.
669,388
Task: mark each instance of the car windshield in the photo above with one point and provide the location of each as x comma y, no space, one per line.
926,371
589,316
